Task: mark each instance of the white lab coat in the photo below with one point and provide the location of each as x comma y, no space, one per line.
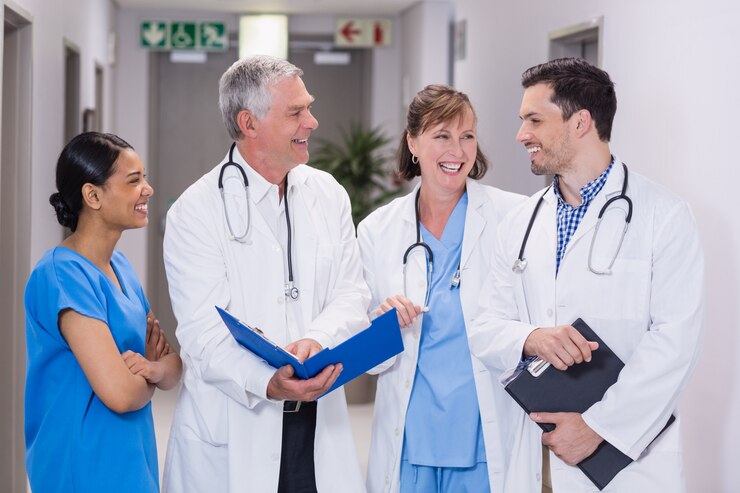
648,311
384,237
226,434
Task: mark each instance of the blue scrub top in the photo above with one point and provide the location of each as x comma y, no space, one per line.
443,427
74,443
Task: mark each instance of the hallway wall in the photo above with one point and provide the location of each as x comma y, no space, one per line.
674,65
85,24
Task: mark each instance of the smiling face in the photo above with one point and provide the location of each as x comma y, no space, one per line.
544,133
281,136
125,195
446,153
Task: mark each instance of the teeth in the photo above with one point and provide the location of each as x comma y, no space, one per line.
534,149
300,141
450,166
142,208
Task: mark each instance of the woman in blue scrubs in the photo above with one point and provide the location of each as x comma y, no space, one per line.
95,353
427,255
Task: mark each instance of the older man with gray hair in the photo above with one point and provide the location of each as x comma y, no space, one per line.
272,241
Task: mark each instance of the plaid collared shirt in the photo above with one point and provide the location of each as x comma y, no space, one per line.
569,217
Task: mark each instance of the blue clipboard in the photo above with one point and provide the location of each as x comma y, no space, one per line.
358,354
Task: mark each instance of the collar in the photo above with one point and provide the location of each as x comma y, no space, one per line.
588,191
476,198
259,187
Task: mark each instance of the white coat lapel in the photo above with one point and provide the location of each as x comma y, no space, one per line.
307,220
542,243
415,278
475,222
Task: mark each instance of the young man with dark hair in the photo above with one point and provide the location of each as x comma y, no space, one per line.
611,247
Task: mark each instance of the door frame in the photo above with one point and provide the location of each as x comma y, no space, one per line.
15,240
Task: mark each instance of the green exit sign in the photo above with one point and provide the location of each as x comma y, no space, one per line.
183,35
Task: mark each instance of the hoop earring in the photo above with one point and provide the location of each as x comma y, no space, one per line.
414,159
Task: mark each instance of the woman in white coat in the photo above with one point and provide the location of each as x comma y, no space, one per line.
438,412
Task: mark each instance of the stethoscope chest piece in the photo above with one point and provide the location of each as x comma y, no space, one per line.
519,265
292,292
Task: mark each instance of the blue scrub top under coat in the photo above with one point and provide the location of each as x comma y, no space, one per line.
74,443
443,427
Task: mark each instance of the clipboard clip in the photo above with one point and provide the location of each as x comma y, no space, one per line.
537,367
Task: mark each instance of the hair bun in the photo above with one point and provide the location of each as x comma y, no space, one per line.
65,216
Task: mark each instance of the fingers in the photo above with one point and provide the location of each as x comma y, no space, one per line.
561,346
303,349
540,417
405,309
302,352
284,386
160,344
286,372
134,361
319,384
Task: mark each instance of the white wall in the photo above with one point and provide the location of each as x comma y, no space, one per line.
425,29
676,72
85,24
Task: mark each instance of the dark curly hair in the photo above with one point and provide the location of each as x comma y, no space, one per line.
87,158
434,104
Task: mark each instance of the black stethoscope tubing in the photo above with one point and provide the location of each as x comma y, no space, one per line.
455,281
520,263
290,290
419,242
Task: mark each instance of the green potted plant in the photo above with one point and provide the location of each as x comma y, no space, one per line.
359,164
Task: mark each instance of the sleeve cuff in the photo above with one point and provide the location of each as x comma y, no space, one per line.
257,381
322,338
609,437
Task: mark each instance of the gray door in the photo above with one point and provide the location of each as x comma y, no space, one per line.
189,138
15,234
341,91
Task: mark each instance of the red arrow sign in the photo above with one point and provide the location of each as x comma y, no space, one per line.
348,32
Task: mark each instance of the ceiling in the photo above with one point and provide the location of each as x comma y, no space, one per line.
336,7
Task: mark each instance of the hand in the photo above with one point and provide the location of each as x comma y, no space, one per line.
561,346
572,439
303,349
156,342
285,386
152,371
405,309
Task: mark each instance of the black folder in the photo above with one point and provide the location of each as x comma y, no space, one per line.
538,387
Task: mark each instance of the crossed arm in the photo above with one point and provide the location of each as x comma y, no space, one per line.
121,381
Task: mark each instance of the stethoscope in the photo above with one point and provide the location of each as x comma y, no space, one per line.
454,281
291,291
520,264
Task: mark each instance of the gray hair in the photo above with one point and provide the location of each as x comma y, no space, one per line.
246,86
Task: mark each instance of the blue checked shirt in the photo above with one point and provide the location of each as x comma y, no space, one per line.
569,217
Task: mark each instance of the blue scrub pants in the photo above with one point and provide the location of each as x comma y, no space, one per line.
427,479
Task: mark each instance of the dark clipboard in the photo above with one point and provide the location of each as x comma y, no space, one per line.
358,354
539,387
